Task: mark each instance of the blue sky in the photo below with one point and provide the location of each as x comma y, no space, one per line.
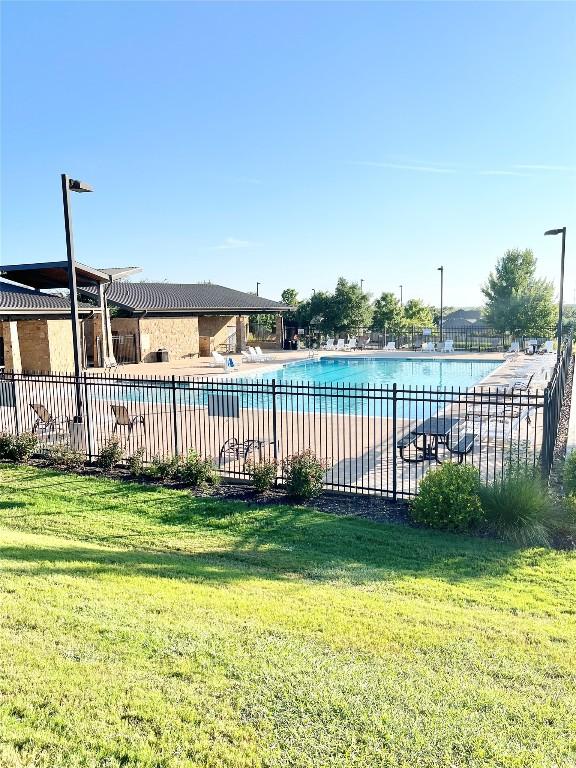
291,143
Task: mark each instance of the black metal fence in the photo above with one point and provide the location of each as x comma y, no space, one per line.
379,440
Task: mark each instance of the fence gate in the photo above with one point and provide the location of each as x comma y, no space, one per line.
124,348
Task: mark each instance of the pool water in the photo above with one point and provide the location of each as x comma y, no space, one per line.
379,372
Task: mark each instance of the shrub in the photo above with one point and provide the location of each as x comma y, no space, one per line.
303,474
570,473
110,454
519,508
164,467
17,447
63,457
135,462
449,498
263,474
197,471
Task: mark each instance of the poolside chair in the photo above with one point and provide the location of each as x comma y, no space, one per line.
547,347
47,423
110,362
390,347
123,418
219,361
329,346
351,344
522,385
262,356
237,450
449,345
428,346
248,357
341,345
514,347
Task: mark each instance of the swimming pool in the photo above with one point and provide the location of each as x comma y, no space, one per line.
382,372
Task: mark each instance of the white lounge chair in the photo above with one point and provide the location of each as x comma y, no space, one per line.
227,363
448,345
514,347
262,356
351,344
329,346
340,345
390,347
248,357
428,346
548,347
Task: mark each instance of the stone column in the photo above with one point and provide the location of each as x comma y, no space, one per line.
12,358
279,331
240,333
98,332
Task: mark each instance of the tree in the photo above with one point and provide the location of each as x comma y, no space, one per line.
416,313
388,313
516,300
290,297
348,309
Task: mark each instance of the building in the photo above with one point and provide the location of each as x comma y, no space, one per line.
187,320
133,322
464,318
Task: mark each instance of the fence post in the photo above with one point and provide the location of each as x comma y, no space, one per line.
546,435
274,427
394,445
87,418
175,418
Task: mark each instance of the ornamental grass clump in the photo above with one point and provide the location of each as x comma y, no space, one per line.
303,475
518,507
449,499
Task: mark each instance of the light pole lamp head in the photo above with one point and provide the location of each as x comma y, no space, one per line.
78,186
555,231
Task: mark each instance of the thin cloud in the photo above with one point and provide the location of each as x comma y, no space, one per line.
546,167
233,243
502,173
405,167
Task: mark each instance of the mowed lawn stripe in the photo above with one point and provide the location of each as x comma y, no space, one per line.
143,626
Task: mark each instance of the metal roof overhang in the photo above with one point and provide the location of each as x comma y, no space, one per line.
54,274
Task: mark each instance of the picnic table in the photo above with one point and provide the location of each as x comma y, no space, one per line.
436,431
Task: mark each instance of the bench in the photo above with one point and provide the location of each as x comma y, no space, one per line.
464,446
405,441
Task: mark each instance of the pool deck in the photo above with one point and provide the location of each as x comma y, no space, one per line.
517,367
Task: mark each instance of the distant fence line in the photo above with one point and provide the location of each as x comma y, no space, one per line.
379,440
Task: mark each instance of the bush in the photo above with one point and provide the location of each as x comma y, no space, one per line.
164,467
17,447
518,508
263,474
63,457
197,471
449,498
110,454
570,473
135,463
303,474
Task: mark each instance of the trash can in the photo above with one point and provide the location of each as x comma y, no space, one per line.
162,356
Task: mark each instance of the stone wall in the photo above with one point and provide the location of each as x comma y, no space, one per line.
9,333
218,328
46,345
179,335
61,345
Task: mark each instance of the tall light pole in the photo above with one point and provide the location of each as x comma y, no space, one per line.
258,289
441,270
401,300
361,285
561,231
72,185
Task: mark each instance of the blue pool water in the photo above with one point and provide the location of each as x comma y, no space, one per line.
379,372
330,385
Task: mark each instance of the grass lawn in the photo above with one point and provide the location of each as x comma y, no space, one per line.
143,627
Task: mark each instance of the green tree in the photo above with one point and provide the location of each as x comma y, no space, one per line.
290,297
388,313
348,309
417,314
516,300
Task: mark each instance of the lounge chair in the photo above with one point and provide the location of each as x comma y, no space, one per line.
329,346
522,385
237,450
514,347
123,418
351,344
390,347
341,345
227,363
448,346
110,362
428,346
248,357
263,356
45,422
547,348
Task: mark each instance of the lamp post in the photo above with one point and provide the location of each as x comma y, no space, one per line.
72,185
258,289
361,285
561,231
401,300
441,270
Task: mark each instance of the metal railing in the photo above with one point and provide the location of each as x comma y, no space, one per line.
374,439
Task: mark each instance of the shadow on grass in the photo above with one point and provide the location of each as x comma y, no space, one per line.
156,525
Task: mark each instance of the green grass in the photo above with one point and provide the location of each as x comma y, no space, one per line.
143,627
